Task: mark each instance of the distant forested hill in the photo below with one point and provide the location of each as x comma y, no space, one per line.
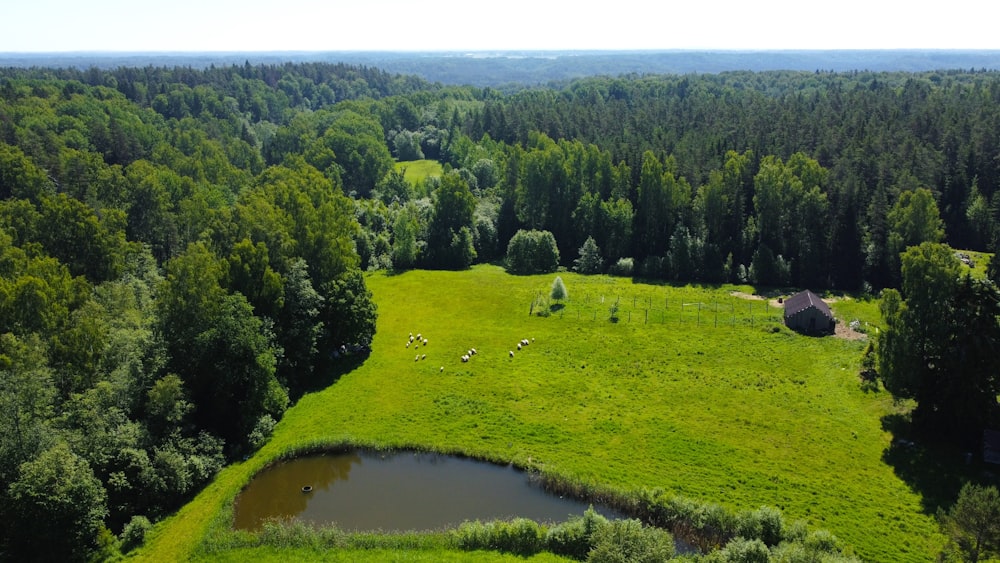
507,68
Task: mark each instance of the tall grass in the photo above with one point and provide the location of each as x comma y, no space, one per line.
590,536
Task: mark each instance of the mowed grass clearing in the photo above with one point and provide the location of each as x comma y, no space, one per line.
721,404
416,171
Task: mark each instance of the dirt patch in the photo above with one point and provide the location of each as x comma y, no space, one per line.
750,297
844,330
743,295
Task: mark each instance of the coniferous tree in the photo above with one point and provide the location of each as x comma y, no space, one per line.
973,522
590,260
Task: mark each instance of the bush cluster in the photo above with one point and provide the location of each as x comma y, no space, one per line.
623,267
746,537
719,535
710,525
590,537
134,534
532,252
519,536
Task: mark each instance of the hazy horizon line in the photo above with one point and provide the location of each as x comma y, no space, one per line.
510,50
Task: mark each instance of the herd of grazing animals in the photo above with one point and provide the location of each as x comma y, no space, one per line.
521,344
418,340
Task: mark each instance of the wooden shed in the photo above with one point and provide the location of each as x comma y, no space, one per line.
805,312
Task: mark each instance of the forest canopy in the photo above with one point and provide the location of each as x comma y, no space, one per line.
181,250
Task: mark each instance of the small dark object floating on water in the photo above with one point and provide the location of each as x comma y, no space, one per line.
307,489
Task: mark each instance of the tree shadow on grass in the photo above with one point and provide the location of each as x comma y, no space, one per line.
332,370
934,469
555,307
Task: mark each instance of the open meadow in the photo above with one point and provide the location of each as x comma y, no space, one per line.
416,171
693,390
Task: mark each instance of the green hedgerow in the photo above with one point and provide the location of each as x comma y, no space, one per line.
520,536
621,541
574,538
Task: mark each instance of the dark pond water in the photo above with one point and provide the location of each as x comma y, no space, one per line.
401,491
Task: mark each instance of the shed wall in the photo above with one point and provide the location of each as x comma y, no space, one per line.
809,319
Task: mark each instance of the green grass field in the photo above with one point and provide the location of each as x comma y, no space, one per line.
978,261
693,390
415,171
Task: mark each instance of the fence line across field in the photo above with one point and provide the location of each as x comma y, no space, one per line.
610,307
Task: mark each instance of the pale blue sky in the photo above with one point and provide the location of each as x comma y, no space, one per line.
258,25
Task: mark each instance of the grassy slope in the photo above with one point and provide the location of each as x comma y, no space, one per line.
721,411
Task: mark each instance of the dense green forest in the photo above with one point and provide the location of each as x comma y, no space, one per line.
181,250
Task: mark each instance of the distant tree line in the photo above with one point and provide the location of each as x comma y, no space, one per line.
873,136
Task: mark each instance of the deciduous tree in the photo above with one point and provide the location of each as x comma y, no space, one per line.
558,292
449,238
532,252
20,177
298,327
914,219
936,346
56,507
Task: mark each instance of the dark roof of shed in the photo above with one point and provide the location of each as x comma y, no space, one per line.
991,446
802,301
